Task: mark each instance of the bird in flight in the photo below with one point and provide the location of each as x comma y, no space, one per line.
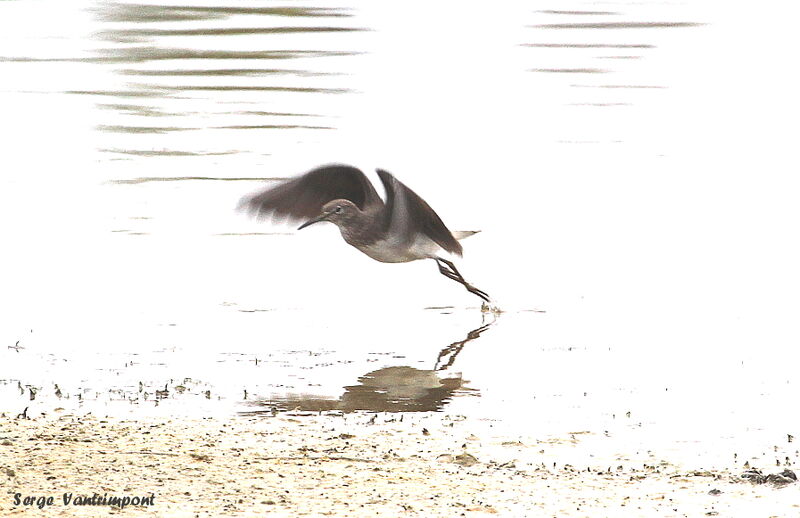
403,228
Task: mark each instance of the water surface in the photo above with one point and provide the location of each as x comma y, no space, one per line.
627,164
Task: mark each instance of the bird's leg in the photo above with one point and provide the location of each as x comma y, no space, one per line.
458,278
449,270
447,273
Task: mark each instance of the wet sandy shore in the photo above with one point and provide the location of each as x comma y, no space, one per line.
349,465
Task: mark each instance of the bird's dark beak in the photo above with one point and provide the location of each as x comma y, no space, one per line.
321,217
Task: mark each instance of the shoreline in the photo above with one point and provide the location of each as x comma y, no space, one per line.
351,465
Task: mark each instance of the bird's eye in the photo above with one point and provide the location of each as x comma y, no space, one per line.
338,209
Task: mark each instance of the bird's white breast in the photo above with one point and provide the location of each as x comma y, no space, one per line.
394,251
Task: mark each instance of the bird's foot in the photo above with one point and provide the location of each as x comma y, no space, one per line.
494,310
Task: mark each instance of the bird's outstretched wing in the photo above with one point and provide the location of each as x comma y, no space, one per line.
303,197
407,214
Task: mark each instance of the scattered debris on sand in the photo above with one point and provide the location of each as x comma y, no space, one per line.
339,465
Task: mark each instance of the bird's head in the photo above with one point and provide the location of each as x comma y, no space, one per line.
336,211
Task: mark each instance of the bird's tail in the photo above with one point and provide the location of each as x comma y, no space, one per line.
463,234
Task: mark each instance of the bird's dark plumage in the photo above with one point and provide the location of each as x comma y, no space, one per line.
403,214
407,213
303,197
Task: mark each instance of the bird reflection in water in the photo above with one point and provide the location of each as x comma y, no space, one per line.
391,389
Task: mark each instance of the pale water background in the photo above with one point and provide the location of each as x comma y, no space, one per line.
632,167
